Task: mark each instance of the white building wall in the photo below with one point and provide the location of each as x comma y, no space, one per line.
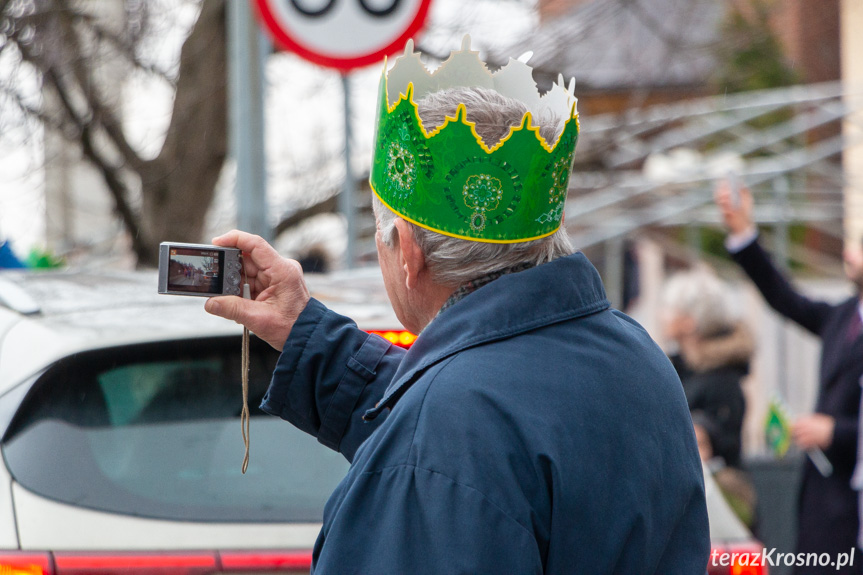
852,78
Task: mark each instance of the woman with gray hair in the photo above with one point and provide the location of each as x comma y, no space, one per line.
714,351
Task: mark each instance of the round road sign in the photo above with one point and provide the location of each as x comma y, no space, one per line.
342,34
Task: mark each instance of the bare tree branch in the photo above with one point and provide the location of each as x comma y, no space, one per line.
327,206
102,115
110,173
38,114
127,49
82,61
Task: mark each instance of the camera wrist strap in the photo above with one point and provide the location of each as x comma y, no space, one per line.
244,361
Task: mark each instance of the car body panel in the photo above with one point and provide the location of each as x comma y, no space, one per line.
46,524
725,526
85,311
8,530
82,311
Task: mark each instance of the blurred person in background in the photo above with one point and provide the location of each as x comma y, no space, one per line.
827,506
734,483
854,268
714,349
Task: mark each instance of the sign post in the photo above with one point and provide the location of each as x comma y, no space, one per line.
343,34
245,71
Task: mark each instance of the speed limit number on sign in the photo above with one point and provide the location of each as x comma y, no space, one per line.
342,34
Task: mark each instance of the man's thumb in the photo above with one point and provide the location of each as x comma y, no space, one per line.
229,307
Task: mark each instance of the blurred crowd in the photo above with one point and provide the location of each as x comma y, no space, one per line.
714,349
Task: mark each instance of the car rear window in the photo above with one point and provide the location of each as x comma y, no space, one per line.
154,430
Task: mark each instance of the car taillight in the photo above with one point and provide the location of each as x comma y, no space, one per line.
280,561
12,563
68,563
737,559
400,338
154,563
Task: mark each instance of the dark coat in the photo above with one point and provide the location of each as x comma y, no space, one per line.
530,429
711,376
827,517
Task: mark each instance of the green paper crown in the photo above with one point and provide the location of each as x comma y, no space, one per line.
449,180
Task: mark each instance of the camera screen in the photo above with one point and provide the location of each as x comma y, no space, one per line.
195,270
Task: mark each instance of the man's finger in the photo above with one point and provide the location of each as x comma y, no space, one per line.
745,196
230,307
257,316
722,196
263,255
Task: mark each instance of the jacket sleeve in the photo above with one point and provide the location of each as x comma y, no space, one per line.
845,434
328,375
725,403
405,519
778,292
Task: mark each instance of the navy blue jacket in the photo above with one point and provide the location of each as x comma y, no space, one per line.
530,429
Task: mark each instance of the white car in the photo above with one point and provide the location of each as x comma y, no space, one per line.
734,551
121,439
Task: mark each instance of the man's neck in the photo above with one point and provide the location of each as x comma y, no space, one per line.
473,285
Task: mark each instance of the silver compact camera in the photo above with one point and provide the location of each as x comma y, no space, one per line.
200,270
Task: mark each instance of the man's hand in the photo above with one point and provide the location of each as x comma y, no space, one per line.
814,430
853,257
736,212
279,293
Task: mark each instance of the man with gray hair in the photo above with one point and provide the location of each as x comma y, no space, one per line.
530,428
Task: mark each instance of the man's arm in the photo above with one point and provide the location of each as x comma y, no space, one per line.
329,372
775,288
844,444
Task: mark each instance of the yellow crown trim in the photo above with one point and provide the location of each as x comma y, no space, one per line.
452,235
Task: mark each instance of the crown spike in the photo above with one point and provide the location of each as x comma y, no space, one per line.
515,80
572,86
525,57
561,81
461,114
408,68
463,68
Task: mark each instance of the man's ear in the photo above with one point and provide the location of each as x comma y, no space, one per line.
411,256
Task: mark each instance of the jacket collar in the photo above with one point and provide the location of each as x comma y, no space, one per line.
560,290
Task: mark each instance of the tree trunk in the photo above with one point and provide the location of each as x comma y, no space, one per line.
178,185
67,42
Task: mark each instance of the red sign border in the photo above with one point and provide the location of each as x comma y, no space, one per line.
284,41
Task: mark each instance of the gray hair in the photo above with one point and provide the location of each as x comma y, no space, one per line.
455,261
699,294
